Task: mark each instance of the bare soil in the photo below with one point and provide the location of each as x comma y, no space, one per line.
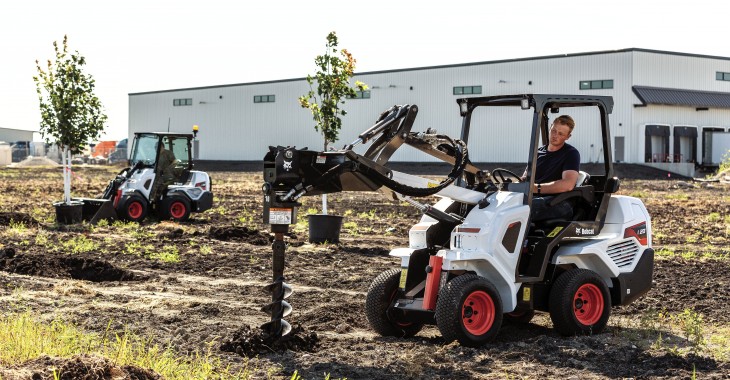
212,296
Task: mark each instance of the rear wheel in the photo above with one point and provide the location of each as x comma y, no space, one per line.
132,209
175,207
469,309
579,303
383,318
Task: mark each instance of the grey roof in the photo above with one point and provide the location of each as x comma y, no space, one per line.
676,97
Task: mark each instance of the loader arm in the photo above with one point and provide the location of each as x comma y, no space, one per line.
290,173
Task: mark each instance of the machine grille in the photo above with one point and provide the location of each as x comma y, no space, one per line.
623,253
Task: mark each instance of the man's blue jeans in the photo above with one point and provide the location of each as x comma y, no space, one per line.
541,209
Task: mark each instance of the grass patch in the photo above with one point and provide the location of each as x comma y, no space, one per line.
677,333
168,254
351,228
22,338
79,244
713,217
640,194
669,253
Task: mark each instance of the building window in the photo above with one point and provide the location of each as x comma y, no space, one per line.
264,98
596,84
467,90
182,102
722,76
361,95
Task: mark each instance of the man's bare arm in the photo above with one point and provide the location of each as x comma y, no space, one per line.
562,185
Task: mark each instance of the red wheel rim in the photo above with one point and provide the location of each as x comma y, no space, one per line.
177,209
135,210
588,304
477,313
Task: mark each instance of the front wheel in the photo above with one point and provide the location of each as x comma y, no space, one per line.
382,317
132,209
469,309
579,303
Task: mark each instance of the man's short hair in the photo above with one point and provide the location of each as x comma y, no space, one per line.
565,120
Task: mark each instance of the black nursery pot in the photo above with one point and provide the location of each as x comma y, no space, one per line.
69,213
324,228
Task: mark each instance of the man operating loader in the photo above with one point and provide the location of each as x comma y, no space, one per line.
558,164
165,170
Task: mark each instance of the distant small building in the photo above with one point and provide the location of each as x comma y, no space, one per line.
6,155
10,135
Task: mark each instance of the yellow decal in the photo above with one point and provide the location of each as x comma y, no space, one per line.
403,276
525,294
555,231
431,184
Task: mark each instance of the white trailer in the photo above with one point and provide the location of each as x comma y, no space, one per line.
718,148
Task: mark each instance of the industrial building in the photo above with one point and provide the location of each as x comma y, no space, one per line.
671,110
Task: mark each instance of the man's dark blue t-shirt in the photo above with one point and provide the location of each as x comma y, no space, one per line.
551,165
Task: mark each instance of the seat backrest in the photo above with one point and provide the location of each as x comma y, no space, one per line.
583,177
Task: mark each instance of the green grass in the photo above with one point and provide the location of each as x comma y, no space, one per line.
639,194
22,338
79,244
677,333
351,228
369,215
669,253
713,217
678,196
168,254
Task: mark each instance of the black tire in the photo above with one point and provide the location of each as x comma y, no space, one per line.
579,303
132,209
469,309
175,207
521,317
382,318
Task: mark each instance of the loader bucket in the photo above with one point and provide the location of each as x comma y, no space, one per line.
95,210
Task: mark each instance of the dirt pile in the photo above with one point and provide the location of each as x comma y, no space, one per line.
79,367
251,342
76,268
241,234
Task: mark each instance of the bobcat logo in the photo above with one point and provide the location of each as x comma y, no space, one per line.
287,165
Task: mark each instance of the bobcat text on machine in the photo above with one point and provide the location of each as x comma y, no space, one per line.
476,258
160,180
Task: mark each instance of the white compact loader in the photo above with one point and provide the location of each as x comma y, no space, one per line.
160,180
476,258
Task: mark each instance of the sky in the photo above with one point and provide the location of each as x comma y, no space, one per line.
138,46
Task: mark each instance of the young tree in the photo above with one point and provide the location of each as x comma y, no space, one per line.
333,87
71,115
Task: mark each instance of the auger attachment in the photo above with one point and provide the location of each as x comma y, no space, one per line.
279,214
278,308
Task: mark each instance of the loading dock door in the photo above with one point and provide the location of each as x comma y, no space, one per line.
685,144
656,146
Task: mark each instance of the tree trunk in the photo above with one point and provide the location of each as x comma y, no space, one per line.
66,175
324,196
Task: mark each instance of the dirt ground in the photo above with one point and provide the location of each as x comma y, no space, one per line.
92,276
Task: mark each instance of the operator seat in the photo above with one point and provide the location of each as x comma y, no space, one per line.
581,197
